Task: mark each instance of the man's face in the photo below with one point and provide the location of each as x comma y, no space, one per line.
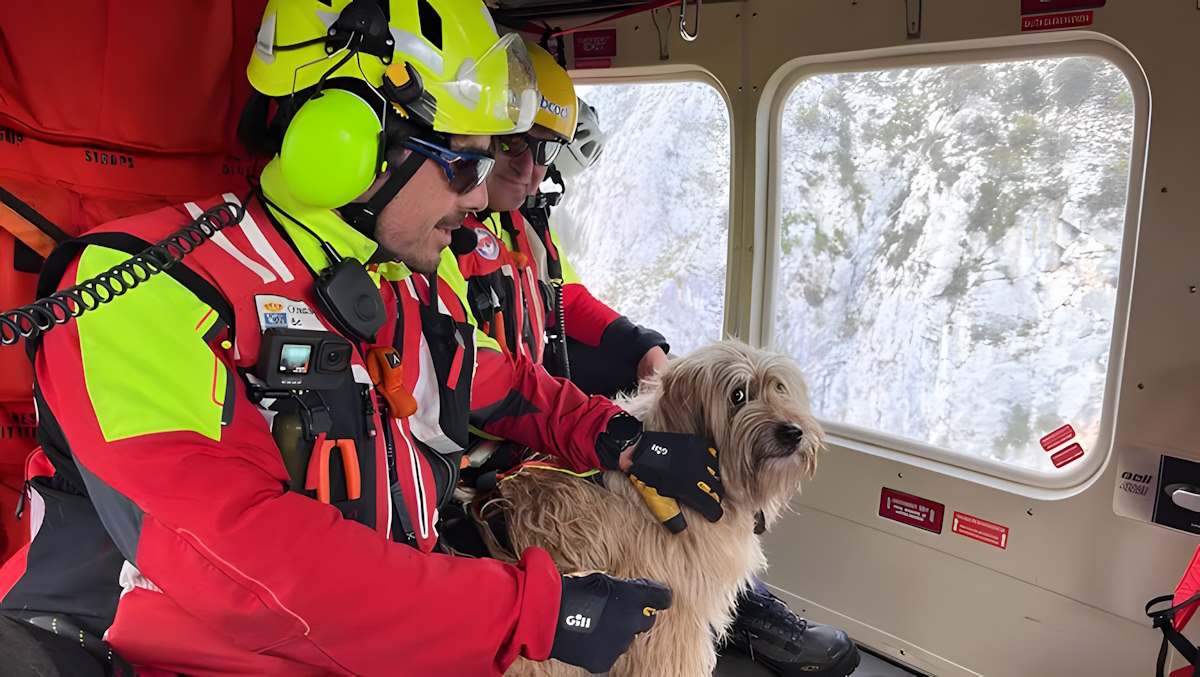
515,177
535,180
417,223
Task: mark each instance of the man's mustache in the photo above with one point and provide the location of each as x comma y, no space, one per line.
452,222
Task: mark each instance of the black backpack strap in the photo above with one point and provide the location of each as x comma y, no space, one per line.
60,259
451,343
33,216
62,256
1163,620
556,361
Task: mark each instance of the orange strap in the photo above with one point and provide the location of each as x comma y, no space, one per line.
500,335
387,374
26,232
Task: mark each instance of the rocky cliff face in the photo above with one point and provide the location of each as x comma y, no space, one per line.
949,243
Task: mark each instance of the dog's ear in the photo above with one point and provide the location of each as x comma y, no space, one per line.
680,406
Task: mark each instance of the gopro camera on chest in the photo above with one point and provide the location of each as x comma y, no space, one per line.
298,359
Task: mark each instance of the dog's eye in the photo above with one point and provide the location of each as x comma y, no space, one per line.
780,388
738,397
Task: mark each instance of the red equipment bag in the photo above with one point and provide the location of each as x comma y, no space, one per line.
107,109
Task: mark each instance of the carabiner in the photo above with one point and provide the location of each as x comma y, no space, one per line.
683,30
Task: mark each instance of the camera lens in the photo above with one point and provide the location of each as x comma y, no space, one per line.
335,357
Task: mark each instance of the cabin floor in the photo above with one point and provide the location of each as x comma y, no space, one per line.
734,663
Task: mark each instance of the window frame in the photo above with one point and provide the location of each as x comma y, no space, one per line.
1012,478
691,73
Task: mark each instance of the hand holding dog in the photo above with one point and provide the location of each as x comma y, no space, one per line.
600,615
666,468
651,363
680,467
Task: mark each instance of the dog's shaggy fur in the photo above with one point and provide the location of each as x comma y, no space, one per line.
762,460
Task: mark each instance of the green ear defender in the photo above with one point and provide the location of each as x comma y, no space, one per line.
332,149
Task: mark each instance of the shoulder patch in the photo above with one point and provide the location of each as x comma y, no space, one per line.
278,312
489,246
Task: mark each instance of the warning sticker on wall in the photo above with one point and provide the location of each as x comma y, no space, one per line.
914,511
596,44
1055,22
980,530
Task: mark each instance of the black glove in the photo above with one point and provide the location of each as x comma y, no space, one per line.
600,615
666,466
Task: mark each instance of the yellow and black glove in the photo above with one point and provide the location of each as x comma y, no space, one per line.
665,509
668,469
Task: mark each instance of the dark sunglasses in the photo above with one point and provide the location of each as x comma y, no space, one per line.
544,150
465,170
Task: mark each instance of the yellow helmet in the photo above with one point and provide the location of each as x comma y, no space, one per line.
467,79
557,111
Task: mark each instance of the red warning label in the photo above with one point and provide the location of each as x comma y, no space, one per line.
911,510
980,530
1063,434
1071,453
1054,22
596,44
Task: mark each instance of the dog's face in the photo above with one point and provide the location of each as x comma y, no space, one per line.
754,405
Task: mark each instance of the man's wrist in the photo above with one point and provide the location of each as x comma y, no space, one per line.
614,446
625,462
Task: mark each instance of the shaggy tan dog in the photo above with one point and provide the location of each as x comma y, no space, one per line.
754,404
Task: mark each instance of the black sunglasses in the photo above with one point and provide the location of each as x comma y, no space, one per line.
544,150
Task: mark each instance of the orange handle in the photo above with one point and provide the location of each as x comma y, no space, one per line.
322,453
349,462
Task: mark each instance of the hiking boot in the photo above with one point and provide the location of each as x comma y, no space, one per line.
767,631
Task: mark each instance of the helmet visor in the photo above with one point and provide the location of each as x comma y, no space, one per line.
495,93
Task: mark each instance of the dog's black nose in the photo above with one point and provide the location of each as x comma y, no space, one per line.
789,433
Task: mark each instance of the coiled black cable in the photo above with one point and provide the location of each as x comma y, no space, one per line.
31,320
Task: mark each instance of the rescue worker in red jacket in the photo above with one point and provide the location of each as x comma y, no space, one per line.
515,275
250,450
514,301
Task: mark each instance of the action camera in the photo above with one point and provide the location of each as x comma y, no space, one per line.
298,359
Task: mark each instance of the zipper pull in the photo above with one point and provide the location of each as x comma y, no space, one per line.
21,499
368,411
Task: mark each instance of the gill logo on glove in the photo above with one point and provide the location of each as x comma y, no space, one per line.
660,450
579,621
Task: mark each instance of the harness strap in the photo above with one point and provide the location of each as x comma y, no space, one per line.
556,361
1164,620
28,225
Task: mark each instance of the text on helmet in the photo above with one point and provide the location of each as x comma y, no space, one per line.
563,112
